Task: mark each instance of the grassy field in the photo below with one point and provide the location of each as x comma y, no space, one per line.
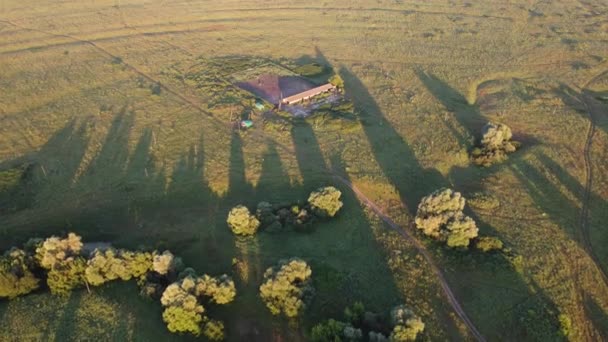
115,124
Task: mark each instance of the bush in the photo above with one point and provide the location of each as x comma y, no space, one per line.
241,222
440,216
484,201
325,202
16,278
407,325
214,330
332,331
337,81
329,331
286,286
489,243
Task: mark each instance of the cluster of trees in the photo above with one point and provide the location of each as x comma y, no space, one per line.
494,145
361,325
183,308
62,265
287,287
440,216
323,203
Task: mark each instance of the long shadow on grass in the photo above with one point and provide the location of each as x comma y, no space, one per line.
562,210
349,262
67,322
394,156
585,103
399,164
598,317
466,114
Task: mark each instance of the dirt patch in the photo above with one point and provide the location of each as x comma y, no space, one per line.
273,87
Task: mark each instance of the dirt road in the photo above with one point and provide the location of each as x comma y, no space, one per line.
421,249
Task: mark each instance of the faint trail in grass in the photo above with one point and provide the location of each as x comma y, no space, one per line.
421,249
586,100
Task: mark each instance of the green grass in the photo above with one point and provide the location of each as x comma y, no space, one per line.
114,162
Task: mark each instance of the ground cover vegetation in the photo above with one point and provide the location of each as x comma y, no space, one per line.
116,125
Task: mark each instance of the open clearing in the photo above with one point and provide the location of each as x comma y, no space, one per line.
114,124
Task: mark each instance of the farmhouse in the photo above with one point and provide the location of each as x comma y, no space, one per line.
308,94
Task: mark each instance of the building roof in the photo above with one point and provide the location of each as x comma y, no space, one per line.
309,93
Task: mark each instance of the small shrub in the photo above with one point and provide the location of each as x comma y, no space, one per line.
156,88
242,222
489,243
16,278
407,325
214,330
325,202
484,201
337,81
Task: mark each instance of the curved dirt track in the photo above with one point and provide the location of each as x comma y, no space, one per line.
589,103
422,250
362,197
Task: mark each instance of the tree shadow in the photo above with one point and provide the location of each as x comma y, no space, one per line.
586,103
467,115
273,178
598,317
398,162
308,154
394,156
67,322
114,153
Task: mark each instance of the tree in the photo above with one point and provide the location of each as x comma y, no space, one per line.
186,312
112,264
54,250
165,263
241,221
440,216
286,286
62,258
182,312
325,202
181,320
407,325
221,290
66,276
495,144
16,278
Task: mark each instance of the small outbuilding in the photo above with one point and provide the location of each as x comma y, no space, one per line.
308,94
